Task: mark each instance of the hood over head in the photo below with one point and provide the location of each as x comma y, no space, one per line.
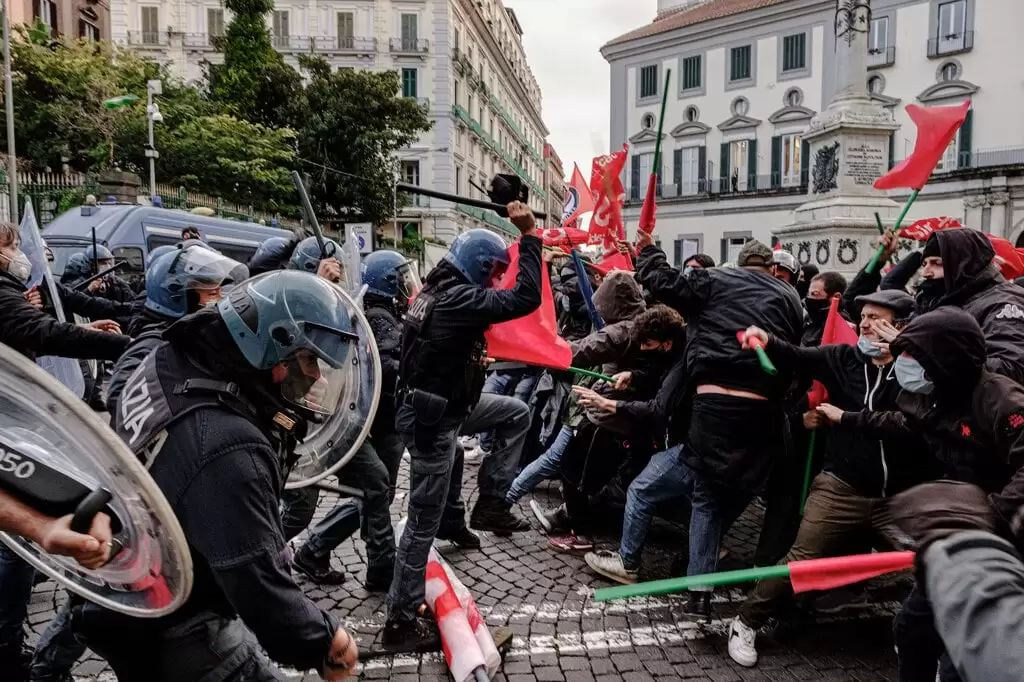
619,297
950,346
966,261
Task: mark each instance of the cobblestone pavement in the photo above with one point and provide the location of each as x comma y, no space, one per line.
561,635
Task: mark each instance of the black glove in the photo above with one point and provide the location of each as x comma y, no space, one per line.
934,511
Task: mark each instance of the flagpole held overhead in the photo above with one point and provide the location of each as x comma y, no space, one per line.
649,208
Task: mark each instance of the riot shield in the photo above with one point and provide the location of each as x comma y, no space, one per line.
330,445
59,457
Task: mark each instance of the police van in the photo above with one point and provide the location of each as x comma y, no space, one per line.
131,232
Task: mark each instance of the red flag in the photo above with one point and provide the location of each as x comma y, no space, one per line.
827,574
837,331
532,339
578,198
650,207
924,228
609,195
613,261
936,127
564,238
1011,259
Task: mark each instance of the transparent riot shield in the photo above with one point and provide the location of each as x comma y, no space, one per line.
59,457
330,445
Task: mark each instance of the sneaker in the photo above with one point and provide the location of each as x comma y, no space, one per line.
474,456
698,607
496,518
418,636
317,569
469,442
570,544
551,521
463,538
609,564
741,643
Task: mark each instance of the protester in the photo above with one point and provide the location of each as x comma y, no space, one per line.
234,387
441,374
737,427
803,283
847,501
698,261
817,302
784,266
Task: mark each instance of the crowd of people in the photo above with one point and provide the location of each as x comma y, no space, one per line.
919,444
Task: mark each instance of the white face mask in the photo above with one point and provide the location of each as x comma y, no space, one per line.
19,267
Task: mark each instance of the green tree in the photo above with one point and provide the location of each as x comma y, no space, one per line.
254,82
353,122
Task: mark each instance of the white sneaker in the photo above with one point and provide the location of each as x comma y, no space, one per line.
609,564
741,643
469,442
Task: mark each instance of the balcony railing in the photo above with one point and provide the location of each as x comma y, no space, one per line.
881,56
953,43
201,40
410,45
739,185
149,38
349,44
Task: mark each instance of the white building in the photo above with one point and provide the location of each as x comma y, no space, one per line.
462,59
748,76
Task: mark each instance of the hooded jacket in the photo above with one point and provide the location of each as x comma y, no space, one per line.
618,300
973,282
973,421
573,318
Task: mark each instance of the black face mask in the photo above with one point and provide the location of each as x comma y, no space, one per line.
802,288
929,291
817,308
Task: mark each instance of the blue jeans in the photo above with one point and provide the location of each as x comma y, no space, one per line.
519,384
58,648
541,469
15,590
715,508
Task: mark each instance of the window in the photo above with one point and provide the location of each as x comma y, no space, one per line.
793,98
689,167
952,19
792,146
875,85
458,179
878,38
647,121
740,106
458,100
46,13
948,162
731,247
150,25
794,52
411,172
346,30
649,81
409,78
738,163
458,39
692,114
740,63
645,162
692,73
215,22
280,28
950,71
411,31
686,247
88,31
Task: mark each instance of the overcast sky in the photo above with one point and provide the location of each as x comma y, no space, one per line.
563,39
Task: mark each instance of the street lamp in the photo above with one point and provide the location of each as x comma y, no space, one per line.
153,115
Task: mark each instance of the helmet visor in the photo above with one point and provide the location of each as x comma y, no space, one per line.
312,383
205,269
409,283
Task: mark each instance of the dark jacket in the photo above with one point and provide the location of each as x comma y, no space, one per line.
664,413
221,470
92,307
571,310
618,300
717,303
973,422
973,282
386,327
873,467
32,332
444,357
141,346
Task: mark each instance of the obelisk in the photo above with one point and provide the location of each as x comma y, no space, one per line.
835,228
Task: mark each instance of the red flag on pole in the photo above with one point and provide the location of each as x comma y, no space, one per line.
1010,258
578,197
609,195
837,331
564,238
936,127
924,228
650,207
827,574
532,339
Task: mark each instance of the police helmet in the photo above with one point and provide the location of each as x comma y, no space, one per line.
272,254
196,242
480,255
389,274
298,320
101,253
786,261
77,267
307,254
173,274
159,251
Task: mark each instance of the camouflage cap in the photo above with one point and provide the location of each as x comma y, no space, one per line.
754,254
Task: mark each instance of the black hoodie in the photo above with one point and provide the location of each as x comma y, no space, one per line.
973,421
973,282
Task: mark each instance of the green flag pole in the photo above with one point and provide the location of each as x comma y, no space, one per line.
595,375
675,585
807,471
661,123
899,221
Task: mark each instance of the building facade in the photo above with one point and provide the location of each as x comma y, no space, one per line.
89,19
463,60
747,77
554,185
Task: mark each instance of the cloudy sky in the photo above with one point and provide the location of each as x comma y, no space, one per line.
563,39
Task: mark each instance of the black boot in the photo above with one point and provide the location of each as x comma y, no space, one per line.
698,606
378,578
463,538
317,569
15,663
496,517
408,637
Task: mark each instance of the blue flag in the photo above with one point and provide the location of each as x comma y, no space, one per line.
586,290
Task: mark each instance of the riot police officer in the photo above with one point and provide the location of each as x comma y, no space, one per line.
309,257
442,375
215,413
272,254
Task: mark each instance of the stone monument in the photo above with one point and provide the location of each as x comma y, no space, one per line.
835,228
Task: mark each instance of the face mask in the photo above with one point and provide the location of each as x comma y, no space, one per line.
931,289
911,376
816,307
19,267
868,348
802,287
687,271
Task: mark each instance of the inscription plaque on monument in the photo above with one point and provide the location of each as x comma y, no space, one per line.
864,161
